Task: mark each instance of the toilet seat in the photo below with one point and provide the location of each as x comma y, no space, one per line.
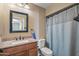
46,51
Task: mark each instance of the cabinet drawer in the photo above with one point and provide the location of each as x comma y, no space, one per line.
33,52
21,48
32,45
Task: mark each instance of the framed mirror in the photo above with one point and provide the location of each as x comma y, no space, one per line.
18,21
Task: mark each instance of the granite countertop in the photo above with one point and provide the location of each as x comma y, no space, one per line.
13,43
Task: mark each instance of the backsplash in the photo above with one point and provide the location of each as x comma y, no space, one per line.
13,38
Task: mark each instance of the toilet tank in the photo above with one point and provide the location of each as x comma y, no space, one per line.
41,43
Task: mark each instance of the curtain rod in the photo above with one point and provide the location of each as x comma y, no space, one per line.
55,13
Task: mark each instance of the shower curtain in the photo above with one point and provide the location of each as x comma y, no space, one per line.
59,33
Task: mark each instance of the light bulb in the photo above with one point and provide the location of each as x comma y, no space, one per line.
19,4
27,6
12,5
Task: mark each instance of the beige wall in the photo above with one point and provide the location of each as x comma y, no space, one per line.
35,14
42,23
55,7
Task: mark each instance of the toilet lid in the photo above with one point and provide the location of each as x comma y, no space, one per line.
46,50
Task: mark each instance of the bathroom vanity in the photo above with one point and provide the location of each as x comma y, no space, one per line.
19,48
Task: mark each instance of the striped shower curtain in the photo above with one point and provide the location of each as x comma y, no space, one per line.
60,33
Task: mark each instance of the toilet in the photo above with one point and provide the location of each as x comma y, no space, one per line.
44,50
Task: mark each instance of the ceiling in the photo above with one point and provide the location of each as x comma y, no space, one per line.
43,5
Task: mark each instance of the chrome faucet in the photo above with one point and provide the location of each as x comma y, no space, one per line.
20,38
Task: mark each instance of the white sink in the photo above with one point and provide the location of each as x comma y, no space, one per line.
20,42
13,42
7,42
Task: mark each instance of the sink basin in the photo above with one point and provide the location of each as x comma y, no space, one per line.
7,42
13,42
20,42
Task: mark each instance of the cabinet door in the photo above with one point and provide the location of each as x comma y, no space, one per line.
16,49
33,52
32,45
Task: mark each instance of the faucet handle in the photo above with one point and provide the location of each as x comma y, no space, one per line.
16,38
19,37
23,38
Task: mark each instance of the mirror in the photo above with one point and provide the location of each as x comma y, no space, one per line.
18,21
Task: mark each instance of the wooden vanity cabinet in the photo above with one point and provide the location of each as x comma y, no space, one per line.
22,53
33,52
29,49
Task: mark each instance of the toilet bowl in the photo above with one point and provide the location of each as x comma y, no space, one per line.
44,50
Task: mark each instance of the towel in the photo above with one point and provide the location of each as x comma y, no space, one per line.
33,35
